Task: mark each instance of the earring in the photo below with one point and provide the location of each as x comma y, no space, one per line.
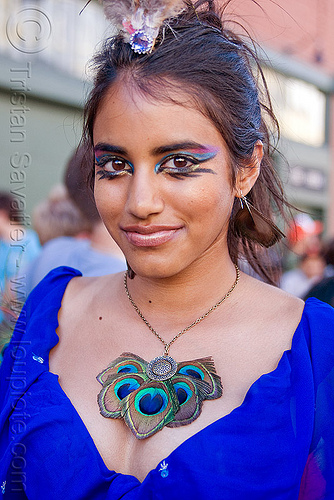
131,273
251,224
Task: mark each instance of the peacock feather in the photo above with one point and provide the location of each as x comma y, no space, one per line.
150,396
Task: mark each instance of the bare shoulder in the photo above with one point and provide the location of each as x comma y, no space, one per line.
84,296
82,287
270,293
277,307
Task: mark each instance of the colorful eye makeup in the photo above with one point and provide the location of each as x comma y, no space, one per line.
177,163
186,162
111,165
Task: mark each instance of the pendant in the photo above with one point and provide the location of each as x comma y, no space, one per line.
161,368
152,395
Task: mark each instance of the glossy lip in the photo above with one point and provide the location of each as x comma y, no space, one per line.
150,236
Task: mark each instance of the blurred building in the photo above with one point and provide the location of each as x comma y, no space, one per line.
45,46
44,49
297,40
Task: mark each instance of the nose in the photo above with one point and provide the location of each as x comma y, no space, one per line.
144,195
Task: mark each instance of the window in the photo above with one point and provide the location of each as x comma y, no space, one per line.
71,38
300,108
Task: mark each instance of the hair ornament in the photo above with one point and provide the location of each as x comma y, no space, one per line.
139,21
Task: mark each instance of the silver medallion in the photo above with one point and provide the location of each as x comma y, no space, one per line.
161,368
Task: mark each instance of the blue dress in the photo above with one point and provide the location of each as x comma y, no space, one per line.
278,445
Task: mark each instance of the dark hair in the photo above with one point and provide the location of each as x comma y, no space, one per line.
58,215
196,54
11,205
329,253
76,185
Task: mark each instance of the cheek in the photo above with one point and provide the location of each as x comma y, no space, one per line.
214,200
106,200
98,197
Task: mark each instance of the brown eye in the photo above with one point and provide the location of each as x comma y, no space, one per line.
177,164
118,165
114,165
180,162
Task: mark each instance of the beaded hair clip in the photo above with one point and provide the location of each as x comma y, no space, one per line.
139,20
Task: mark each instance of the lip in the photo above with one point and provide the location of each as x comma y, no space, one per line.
150,236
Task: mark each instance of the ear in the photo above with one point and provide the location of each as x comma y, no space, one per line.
248,174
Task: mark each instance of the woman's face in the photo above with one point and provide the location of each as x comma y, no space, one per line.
162,183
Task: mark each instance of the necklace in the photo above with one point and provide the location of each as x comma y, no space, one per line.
194,323
162,392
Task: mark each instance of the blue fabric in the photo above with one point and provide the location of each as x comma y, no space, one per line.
277,445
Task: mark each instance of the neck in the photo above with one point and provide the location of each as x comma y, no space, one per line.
187,295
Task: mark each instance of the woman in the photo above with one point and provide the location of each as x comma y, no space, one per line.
206,378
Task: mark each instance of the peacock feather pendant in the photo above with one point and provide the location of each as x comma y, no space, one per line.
150,396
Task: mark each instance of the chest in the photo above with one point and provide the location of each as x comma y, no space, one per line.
239,364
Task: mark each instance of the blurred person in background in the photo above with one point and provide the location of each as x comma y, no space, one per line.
219,400
304,261
58,215
73,232
329,257
18,247
324,290
310,270
304,236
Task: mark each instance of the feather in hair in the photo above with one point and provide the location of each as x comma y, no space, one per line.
160,10
116,11
140,20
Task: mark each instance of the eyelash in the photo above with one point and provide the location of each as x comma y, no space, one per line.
178,172
107,174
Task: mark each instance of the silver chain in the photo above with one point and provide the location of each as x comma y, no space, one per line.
194,323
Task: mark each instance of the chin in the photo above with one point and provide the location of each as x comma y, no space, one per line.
156,270
154,273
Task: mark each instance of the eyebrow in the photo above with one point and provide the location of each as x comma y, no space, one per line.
191,145
178,146
103,146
